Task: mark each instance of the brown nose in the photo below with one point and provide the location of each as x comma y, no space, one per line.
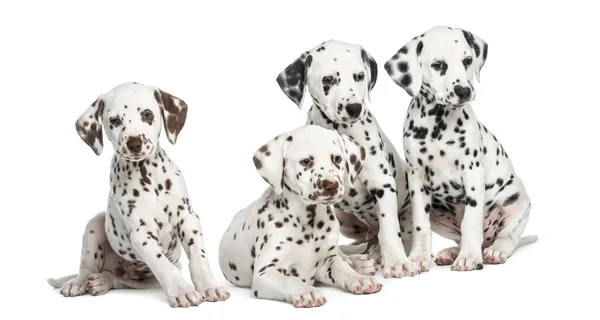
329,185
134,144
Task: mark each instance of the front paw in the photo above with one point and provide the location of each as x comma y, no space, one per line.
185,299
363,264
422,261
398,268
213,294
363,285
74,287
312,298
467,261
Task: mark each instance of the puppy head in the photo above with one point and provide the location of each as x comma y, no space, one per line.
311,161
440,62
339,77
132,115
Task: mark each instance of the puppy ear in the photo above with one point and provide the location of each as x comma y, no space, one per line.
269,160
371,65
404,67
89,126
173,111
354,155
292,80
480,51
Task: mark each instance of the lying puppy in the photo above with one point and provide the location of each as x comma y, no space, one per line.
339,77
135,243
286,240
460,177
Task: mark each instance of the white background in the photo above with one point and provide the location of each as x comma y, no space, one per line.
538,94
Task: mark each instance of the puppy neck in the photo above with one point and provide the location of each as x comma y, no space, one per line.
304,213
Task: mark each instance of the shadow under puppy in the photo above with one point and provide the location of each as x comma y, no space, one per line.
287,240
462,183
135,243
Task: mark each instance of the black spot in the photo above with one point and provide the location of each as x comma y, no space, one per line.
419,48
406,80
403,66
510,200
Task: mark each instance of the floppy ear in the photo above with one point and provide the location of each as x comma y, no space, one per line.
173,111
371,65
269,161
480,51
354,155
292,80
404,67
89,126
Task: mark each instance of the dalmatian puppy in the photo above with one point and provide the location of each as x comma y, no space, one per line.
339,77
136,243
462,183
286,241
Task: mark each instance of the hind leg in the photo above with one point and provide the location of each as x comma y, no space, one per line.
100,283
94,245
507,239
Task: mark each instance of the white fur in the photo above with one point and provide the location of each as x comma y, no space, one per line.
136,242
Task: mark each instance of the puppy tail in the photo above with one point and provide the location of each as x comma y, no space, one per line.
57,283
523,241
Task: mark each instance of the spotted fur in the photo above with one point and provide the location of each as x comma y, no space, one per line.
339,77
461,180
286,241
136,242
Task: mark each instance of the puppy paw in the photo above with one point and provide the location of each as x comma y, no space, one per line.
214,294
375,253
447,256
185,299
74,287
422,261
467,261
363,285
99,283
493,255
399,268
312,298
363,264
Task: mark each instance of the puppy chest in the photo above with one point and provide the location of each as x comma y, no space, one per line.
358,200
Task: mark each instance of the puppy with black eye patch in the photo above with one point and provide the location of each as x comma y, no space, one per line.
339,77
136,243
462,183
287,240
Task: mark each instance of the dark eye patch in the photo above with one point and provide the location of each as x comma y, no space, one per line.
328,82
467,62
115,122
336,159
147,116
440,66
359,76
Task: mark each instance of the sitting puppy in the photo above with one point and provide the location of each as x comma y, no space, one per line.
135,243
339,77
462,183
286,240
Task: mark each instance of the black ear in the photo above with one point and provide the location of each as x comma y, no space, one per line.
480,51
89,125
371,65
292,80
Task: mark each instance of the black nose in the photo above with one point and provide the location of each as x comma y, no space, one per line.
134,144
463,93
329,185
353,109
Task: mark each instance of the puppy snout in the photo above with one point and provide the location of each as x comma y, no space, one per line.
330,186
353,109
134,144
463,93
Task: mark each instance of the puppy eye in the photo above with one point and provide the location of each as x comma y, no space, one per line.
148,115
328,80
115,121
306,162
337,159
359,77
467,61
438,65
